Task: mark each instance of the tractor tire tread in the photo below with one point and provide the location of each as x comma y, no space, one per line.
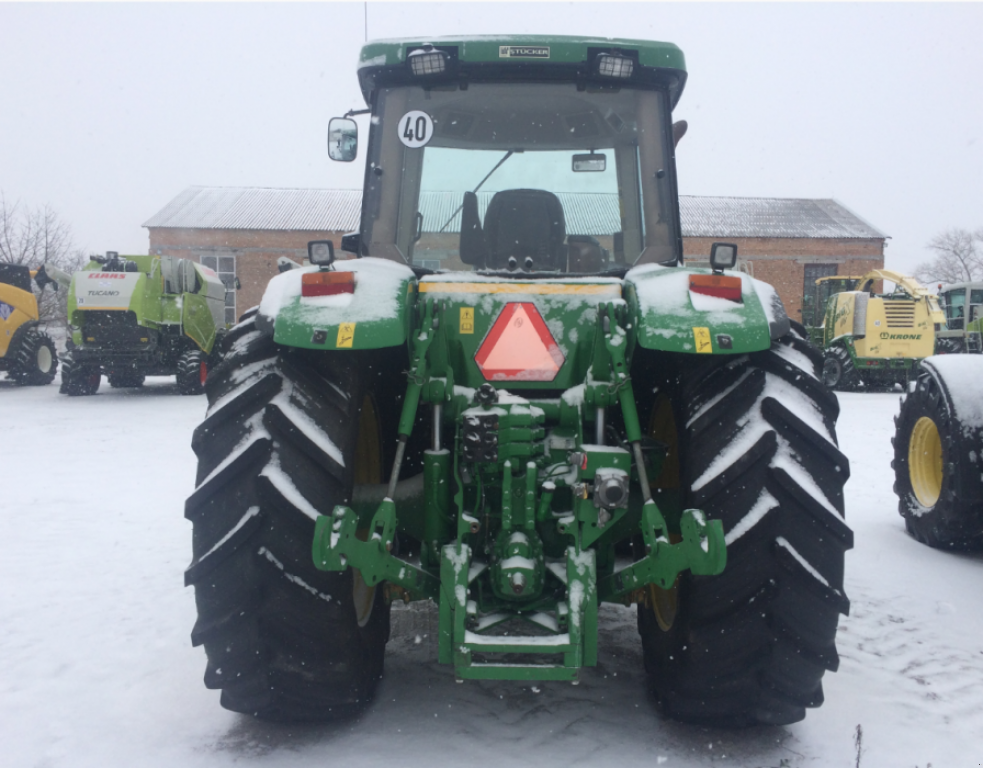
281,637
750,646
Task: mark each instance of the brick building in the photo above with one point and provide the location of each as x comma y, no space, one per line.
242,231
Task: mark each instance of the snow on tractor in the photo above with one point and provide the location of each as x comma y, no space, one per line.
27,353
938,451
136,316
516,402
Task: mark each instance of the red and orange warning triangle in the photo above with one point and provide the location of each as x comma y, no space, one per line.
519,347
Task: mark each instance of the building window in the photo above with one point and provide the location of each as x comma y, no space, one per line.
225,267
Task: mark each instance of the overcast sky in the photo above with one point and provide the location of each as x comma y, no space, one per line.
109,111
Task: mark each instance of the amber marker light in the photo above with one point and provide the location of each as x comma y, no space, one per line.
721,286
327,283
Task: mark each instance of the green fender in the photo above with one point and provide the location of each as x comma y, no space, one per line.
671,318
374,316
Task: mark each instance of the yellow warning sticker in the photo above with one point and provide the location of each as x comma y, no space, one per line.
346,335
702,337
467,320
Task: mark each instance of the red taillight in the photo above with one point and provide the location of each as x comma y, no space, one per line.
327,283
721,286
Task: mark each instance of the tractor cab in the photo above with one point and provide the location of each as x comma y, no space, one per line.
544,169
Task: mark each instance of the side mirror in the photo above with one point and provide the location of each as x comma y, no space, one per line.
352,243
320,252
283,264
723,256
342,139
238,284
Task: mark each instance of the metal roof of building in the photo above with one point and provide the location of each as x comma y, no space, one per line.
316,210
336,210
771,217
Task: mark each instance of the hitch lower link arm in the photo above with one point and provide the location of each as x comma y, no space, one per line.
701,549
336,541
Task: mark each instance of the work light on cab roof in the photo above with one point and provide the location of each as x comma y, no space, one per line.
427,61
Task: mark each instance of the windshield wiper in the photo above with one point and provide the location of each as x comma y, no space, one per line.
475,190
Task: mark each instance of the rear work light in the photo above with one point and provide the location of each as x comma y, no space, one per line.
609,65
427,61
721,286
327,283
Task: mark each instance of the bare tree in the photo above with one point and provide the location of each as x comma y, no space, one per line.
958,257
32,237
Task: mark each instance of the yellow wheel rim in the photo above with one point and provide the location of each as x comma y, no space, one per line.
925,462
664,604
368,471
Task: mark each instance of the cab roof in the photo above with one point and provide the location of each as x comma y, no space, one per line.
524,55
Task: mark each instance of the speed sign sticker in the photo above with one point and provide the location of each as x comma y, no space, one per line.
415,129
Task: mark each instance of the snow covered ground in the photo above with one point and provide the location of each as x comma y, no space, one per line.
97,669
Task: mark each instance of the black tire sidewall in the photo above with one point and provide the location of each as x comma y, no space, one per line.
952,522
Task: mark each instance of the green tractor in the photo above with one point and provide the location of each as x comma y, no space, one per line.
515,402
136,316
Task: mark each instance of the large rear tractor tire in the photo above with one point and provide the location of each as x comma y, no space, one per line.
78,379
839,372
192,371
757,451
938,454
36,362
284,640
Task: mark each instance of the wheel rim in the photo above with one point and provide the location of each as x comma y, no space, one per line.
202,373
44,358
368,471
831,372
925,462
664,604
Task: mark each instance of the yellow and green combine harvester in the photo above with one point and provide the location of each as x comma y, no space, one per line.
515,401
131,317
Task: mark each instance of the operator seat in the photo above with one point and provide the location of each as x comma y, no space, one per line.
525,223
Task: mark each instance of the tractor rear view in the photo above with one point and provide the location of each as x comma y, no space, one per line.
513,400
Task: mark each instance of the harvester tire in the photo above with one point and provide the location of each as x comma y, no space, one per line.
284,641
36,362
125,380
192,370
839,372
78,379
758,451
937,453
